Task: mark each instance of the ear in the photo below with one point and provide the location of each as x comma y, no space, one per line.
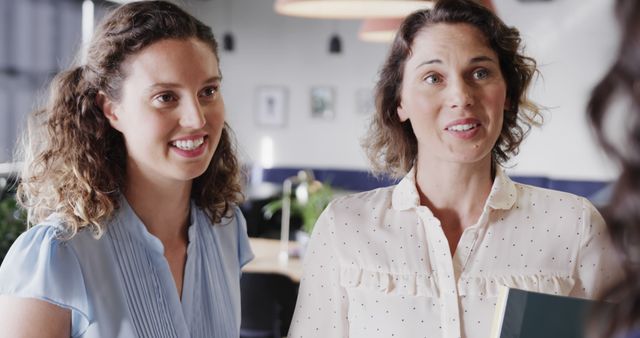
402,114
109,109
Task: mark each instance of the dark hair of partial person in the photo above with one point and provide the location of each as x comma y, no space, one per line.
391,144
75,162
622,214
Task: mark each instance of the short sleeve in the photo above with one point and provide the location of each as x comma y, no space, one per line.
245,255
597,265
41,266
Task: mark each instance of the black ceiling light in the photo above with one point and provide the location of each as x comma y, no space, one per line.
335,44
228,42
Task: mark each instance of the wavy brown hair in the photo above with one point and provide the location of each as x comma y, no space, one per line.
75,161
623,211
391,144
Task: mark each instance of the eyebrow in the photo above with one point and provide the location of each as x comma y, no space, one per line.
477,59
482,58
174,85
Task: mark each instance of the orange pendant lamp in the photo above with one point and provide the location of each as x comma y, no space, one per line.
350,9
379,30
384,29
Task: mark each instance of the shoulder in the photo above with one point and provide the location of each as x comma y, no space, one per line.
49,236
557,206
356,212
39,249
48,233
42,265
366,200
561,199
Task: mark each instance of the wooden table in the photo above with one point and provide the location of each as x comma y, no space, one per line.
266,259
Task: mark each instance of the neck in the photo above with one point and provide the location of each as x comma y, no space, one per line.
163,207
454,190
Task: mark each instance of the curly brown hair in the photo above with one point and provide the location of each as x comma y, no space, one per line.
391,144
623,210
75,161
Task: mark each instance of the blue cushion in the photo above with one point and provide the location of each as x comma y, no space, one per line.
360,180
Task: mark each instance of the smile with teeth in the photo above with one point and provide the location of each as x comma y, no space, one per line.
463,127
188,144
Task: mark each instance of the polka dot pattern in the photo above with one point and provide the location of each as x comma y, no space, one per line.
379,265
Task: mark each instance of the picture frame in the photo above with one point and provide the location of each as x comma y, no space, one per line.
322,102
271,106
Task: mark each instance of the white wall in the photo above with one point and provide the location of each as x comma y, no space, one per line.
291,52
573,41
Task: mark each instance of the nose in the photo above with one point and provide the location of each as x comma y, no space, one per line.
192,116
460,94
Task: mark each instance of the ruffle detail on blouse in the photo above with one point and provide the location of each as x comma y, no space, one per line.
425,285
41,266
489,286
401,284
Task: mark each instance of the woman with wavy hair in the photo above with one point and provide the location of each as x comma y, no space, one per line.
426,257
622,84
131,184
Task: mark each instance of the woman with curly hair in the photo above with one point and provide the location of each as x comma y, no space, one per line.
132,184
622,84
426,257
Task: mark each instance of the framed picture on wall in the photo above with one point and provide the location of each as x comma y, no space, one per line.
271,106
322,102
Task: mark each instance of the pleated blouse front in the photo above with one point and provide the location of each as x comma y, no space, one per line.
121,285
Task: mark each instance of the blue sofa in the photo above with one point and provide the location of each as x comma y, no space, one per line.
359,180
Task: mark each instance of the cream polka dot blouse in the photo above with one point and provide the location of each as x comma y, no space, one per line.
378,264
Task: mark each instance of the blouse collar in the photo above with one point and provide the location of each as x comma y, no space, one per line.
502,196
131,223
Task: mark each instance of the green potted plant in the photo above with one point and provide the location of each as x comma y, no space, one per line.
12,223
319,196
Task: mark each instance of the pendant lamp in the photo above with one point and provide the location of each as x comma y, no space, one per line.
385,29
379,30
228,42
489,4
335,44
350,9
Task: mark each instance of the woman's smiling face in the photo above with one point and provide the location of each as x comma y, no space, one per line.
453,94
171,113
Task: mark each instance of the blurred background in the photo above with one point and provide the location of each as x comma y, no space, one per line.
298,93
278,56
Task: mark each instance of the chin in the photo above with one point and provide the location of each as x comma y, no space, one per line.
189,173
471,158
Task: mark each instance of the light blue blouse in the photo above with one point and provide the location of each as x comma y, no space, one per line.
121,286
